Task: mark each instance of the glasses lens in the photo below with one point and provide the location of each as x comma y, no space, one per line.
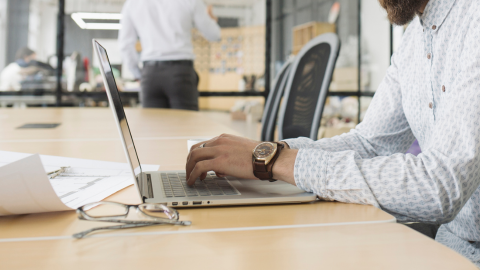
158,211
105,209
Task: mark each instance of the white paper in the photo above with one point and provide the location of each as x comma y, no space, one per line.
25,188
83,182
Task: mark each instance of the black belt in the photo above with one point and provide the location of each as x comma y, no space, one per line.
172,62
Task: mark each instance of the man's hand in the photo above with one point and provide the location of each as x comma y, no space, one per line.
232,155
225,154
210,13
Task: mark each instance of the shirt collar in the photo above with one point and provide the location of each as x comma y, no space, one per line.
435,12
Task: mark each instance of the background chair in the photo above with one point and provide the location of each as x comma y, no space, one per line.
307,88
270,112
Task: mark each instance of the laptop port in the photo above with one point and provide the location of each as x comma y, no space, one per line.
174,203
185,203
197,203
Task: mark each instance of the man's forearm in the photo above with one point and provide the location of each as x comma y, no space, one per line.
285,165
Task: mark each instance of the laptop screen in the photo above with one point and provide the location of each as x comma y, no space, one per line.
116,102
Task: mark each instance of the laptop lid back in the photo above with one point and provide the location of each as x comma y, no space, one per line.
120,119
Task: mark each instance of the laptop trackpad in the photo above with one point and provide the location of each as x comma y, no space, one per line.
265,188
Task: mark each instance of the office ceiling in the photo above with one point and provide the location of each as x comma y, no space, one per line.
113,6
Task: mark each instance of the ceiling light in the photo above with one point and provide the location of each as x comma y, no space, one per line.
80,17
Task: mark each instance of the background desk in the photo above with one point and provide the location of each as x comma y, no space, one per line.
160,137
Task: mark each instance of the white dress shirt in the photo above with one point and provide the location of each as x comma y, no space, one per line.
431,92
164,28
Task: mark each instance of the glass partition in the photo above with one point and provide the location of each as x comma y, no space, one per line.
236,63
27,49
232,72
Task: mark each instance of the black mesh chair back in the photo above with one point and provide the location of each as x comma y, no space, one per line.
307,88
270,112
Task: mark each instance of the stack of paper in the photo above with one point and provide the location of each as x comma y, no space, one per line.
26,188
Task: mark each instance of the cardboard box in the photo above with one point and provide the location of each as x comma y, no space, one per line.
303,33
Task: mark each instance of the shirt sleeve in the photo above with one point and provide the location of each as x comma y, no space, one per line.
127,39
368,166
206,25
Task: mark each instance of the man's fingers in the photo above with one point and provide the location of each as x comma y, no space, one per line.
209,142
201,168
197,155
195,146
219,140
210,151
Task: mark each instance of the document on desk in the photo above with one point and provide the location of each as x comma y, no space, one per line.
26,188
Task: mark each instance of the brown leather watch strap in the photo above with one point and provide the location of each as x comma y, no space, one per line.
260,170
265,172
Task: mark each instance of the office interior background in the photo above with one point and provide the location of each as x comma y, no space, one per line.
236,73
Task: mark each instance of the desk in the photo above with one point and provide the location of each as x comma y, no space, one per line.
23,101
160,138
310,234
160,135
375,246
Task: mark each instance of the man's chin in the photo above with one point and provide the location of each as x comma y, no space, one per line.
401,12
401,21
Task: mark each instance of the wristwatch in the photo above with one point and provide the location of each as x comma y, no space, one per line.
264,156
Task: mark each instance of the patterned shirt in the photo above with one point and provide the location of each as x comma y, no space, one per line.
430,92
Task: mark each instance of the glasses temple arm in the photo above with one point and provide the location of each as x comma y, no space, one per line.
82,234
128,225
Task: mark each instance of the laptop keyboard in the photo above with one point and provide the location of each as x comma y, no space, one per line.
175,185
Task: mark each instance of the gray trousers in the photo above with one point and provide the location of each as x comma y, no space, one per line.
170,84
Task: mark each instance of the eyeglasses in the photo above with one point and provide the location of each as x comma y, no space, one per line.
149,213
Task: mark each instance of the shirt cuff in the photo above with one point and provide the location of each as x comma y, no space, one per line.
310,170
323,173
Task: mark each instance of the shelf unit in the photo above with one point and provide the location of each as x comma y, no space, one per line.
303,33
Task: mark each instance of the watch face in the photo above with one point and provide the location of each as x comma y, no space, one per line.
263,150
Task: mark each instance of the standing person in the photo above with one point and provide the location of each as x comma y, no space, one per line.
164,27
430,92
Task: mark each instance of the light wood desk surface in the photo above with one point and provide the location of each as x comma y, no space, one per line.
160,138
260,237
373,246
160,135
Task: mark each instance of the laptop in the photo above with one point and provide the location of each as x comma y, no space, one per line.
170,187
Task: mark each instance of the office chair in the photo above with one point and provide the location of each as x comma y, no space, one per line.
270,112
307,88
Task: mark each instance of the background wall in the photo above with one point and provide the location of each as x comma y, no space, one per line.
3,33
375,42
80,40
17,21
42,28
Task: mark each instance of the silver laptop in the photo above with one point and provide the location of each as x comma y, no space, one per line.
170,187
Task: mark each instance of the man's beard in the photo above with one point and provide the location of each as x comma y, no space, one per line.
400,12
